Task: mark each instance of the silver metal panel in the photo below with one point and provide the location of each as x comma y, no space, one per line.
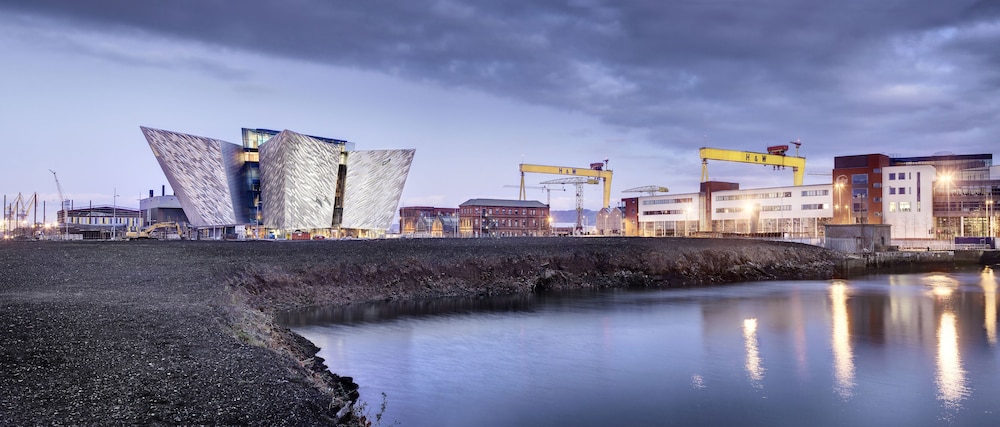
298,180
197,171
373,186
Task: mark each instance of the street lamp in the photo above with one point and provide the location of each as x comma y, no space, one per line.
749,210
839,185
946,179
114,213
687,214
989,217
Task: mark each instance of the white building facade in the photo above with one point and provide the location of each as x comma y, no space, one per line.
908,205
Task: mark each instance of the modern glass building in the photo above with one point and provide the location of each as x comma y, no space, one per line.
281,182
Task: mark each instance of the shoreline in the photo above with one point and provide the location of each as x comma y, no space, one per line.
187,333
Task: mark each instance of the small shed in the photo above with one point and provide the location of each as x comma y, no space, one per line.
858,238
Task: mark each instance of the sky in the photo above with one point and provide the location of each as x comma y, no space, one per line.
479,87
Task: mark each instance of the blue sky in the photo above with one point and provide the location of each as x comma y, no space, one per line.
477,88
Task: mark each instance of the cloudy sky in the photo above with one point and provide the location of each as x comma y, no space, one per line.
479,87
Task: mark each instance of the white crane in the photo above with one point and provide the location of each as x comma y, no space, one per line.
62,203
548,191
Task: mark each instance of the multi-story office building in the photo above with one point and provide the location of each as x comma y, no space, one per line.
792,212
277,183
503,218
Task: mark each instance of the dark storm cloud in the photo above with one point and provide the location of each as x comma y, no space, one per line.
741,71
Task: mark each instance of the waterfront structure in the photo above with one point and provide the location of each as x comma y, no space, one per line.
503,218
929,197
796,212
427,221
279,183
162,208
100,222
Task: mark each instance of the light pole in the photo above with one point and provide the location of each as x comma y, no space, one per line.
989,217
839,185
946,179
687,214
114,213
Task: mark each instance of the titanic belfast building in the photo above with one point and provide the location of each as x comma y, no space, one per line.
282,183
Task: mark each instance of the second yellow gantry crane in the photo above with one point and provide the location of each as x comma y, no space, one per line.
597,171
775,156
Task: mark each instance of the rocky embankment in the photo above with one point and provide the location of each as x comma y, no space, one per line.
433,268
154,333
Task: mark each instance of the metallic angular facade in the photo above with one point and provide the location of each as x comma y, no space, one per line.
298,181
373,186
304,182
201,172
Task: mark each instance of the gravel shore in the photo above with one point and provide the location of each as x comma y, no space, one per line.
182,333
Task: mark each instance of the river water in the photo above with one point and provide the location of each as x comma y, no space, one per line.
912,349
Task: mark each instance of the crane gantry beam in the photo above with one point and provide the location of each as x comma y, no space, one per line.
596,171
798,164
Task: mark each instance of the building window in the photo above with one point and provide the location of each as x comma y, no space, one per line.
877,185
902,190
892,206
892,190
859,178
892,177
904,206
815,206
877,170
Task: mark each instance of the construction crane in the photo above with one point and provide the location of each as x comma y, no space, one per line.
648,189
548,191
578,182
62,203
19,210
775,157
597,171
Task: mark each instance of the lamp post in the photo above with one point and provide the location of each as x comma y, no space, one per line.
114,213
946,179
989,217
687,214
839,185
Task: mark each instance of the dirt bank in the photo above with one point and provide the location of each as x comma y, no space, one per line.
429,268
183,332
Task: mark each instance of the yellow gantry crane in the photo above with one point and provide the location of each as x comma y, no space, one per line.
775,157
597,171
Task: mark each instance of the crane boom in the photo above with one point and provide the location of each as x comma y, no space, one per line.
595,171
62,201
798,164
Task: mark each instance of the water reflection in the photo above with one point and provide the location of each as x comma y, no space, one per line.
951,377
843,357
754,367
989,284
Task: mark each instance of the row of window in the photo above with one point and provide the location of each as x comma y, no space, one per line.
754,196
499,211
901,176
666,212
900,190
810,193
506,223
666,201
775,208
903,207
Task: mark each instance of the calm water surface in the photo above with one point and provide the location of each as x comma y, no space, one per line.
913,350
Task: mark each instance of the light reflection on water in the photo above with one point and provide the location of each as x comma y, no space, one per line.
915,349
843,357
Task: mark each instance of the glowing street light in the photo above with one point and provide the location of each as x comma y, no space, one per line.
840,184
946,178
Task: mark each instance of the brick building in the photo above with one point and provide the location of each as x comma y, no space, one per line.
503,218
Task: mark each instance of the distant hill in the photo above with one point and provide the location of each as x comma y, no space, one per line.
589,216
